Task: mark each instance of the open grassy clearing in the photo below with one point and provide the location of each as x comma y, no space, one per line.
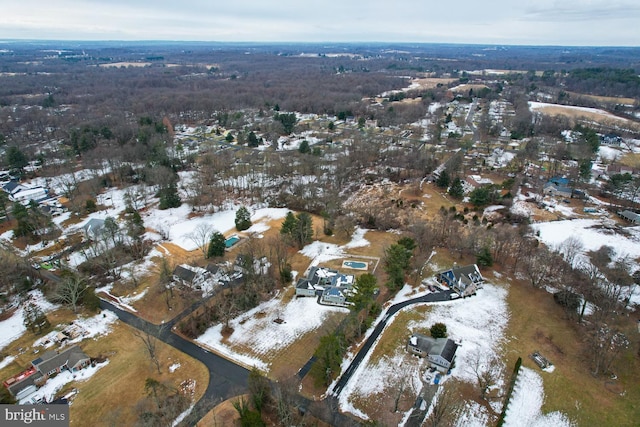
538,323
578,114
607,99
121,382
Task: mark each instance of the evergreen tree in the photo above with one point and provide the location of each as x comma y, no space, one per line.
216,245
289,224
438,330
253,140
16,159
484,257
397,262
456,190
364,290
169,197
34,318
243,219
328,358
443,179
304,147
304,229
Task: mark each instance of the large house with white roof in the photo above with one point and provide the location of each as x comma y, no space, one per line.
330,285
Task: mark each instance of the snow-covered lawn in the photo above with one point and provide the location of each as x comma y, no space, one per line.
83,328
51,387
320,252
13,327
526,402
478,324
257,330
592,233
180,227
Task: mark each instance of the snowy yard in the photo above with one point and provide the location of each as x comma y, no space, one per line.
257,330
13,327
479,325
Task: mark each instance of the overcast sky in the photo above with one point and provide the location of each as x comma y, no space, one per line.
538,22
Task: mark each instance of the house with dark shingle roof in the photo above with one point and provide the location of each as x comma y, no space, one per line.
72,359
440,352
184,275
463,280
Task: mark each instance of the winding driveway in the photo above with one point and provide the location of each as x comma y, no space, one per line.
227,379
431,297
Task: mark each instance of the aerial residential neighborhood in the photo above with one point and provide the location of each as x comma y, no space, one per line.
326,235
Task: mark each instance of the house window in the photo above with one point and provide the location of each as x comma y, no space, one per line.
51,372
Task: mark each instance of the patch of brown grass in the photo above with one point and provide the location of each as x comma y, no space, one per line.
120,384
223,414
538,323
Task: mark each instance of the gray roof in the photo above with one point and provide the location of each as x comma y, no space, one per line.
94,226
443,347
52,360
184,273
213,268
15,388
631,216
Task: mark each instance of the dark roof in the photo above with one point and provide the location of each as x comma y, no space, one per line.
69,357
94,226
19,386
303,284
449,350
443,347
10,186
213,268
184,273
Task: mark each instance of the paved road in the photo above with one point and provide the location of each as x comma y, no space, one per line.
226,379
431,297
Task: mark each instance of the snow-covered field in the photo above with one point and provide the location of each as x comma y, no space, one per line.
180,227
526,404
478,324
13,327
592,233
257,330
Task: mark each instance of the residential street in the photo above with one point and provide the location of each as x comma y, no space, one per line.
227,379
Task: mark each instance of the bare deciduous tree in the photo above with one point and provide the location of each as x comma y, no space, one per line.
201,236
150,344
69,292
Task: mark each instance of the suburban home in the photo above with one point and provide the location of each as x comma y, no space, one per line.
184,274
304,288
27,194
72,359
50,363
611,139
552,189
439,352
617,169
93,228
320,279
463,280
334,296
630,216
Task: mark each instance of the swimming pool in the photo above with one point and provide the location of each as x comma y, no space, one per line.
356,265
231,241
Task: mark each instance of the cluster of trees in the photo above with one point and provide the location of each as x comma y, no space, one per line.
397,262
297,228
